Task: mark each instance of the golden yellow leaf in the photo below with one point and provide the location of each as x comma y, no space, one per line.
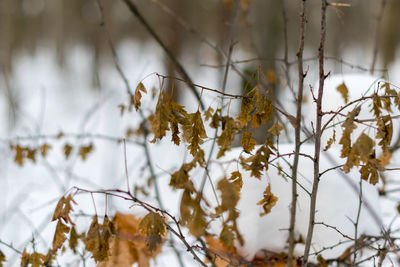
271,76
264,109
59,235
92,238
258,162
37,259
160,120
197,223
2,258
247,106
194,132
385,158
208,113
152,226
138,95
24,258
365,146
31,153
247,142
377,106
230,195
73,239
185,206
236,177
385,131
191,213
221,255
227,236
322,262
85,150
275,129
344,91
348,126
44,149
268,201
67,150
216,118
369,173
19,154
330,141
175,133
63,208
180,177
128,246
229,130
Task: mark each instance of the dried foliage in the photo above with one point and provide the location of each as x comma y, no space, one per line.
125,239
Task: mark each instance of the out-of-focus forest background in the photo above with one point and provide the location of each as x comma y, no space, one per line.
58,80
356,29
27,25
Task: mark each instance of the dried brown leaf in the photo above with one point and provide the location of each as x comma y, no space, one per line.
275,129
84,151
247,142
67,150
344,91
59,235
44,149
138,95
268,202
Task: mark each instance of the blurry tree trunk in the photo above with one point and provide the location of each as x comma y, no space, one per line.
175,42
390,35
267,22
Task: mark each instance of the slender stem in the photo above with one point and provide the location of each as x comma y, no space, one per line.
317,134
126,167
10,246
144,144
360,202
224,82
297,134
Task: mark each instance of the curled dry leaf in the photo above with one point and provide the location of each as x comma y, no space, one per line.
247,142
85,150
344,91
2,258
268,202
59,235
275,129
129,245
138,95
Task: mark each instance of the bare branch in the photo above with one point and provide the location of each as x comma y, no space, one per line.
299,102
318,133
135,11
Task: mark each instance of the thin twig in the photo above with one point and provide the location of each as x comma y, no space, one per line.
10,246
135,11
61,135
318,133
112,48
126,167
129,92
360,203
224,82
202,87
299,102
